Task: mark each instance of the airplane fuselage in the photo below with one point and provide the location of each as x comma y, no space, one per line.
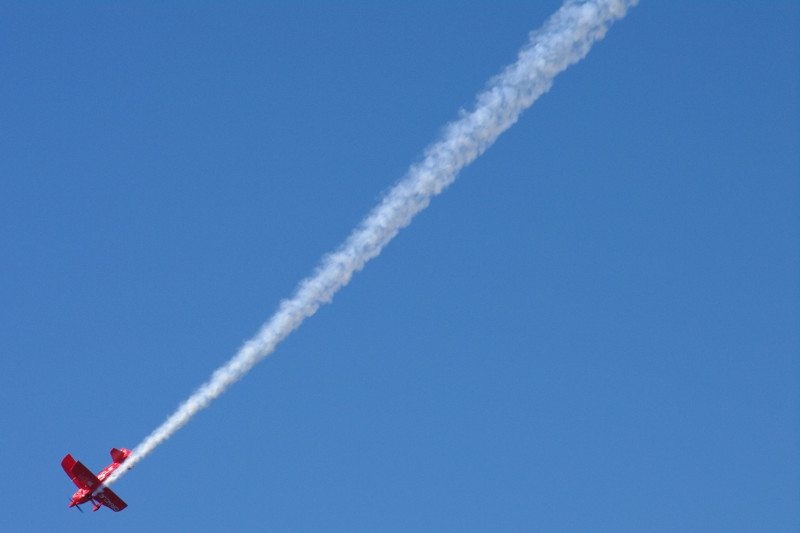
85,495
81,497
90,487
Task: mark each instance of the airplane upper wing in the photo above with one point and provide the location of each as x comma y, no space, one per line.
111,500
82,476
67,463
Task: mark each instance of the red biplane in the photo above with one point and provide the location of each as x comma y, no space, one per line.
90,487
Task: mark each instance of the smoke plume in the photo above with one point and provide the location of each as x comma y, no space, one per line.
563,40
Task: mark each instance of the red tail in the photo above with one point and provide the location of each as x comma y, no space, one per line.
119,455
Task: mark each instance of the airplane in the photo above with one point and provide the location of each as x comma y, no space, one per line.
90,487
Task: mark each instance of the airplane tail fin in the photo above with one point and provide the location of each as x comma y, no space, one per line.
119,455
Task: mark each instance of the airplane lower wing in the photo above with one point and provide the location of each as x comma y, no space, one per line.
110,500
91,487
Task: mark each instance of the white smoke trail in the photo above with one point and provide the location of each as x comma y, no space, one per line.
564,39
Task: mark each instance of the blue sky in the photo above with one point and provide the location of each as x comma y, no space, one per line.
595,328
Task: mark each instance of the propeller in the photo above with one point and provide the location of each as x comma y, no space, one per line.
78,507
